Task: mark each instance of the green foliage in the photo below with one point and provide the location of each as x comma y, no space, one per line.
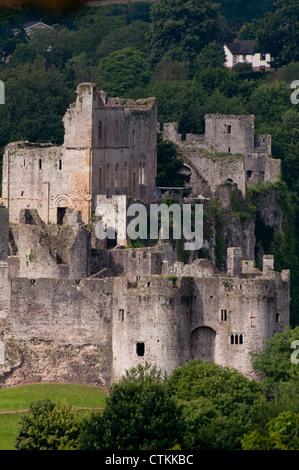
220,405
123,71
277,32
10,20
179,102
36,100
49,426
281,434
133,35
242,208
211,56
269,103
237,11
214,217
92,28
284,245
169,164
291,72
279,373
141,414
187,25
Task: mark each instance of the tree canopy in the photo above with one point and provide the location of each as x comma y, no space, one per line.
141,414
184,25
122,71
48,426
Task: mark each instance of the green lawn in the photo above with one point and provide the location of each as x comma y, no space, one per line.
19,398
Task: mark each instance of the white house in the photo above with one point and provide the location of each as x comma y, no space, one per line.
240,52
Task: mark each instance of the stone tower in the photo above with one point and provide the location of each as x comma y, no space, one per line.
109,149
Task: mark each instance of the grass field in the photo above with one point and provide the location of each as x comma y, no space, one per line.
19,398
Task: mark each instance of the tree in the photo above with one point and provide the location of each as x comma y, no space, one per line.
123,71
212,55
269,102
49,426
36,100
53,45
281,434
275,363
92,28
169,164
10,22
141,414
79,69
179,102
220,405
185,24
132,35
277,33
245,10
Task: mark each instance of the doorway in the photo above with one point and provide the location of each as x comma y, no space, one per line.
60,214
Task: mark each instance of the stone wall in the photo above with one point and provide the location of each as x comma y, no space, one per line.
261,168
233,134
50,251
109,148
92,330
45,178
228,151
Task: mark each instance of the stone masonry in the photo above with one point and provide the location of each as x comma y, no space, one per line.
109,149
228,151
74,310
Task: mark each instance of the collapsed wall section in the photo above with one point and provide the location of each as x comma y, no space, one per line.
58,330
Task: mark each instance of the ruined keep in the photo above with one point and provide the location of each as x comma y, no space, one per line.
228,151
72,310
109,148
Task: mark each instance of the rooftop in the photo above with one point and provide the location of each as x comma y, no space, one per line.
241,47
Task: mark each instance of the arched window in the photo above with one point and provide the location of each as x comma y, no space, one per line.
232,338
40,164
60,164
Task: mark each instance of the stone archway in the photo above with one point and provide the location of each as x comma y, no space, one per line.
203,343
61,203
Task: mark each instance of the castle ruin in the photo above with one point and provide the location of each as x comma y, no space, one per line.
74,310
228,151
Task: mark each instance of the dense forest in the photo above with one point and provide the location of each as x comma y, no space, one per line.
173,50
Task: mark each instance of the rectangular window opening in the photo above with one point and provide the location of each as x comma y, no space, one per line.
140,349
223,315
277,317
121,315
